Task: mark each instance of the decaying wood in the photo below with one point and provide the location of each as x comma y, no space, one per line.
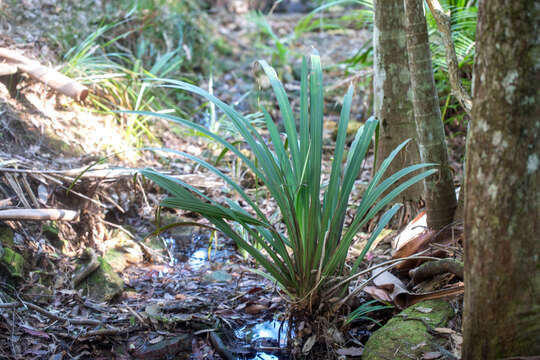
442,19
39,214
46,75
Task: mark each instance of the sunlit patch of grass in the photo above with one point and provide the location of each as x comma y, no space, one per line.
145,39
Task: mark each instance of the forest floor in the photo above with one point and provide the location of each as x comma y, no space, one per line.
187,293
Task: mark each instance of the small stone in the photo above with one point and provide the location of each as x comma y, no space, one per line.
217,276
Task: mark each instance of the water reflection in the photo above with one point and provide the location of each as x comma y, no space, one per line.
265,356
273,333
269,330
198,259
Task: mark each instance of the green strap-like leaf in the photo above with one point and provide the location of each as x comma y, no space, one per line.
332,192
286,114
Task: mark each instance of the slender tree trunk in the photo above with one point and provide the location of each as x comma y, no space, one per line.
439,188
392,96
501,317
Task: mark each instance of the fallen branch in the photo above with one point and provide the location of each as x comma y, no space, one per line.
50,77
102,332
83,172
7,69
432,268
10,305
220,347
39,214
99,332
93,265
442,19
50,315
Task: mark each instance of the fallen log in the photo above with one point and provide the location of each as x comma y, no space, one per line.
46,75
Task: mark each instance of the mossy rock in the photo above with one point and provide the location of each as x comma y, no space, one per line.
122,251
39,293
54,141
115,258
352,128
406,336
103,284
52,233
12,262
154,243
121,258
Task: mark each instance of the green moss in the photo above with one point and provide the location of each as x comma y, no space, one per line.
406,336
154,243
6,236
114,257
39,293
52,233
12,262
103,284
55,142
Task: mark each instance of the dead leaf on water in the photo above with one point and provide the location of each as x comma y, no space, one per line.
255,308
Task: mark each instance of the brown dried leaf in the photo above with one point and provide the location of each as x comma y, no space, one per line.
255,308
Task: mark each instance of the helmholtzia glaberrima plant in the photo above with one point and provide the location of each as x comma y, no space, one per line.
307,259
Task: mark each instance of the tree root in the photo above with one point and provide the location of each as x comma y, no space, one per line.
432,268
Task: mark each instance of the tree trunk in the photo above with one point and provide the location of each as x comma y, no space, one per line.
501,317
439,188
392,97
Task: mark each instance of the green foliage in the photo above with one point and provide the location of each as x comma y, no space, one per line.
279,50
463,25
144,39
304,253
361,312
354,17
463,18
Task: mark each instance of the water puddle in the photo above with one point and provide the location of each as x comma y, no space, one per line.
198,259
194,251
271,335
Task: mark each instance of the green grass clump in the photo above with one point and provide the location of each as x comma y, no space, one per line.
142,39
305,251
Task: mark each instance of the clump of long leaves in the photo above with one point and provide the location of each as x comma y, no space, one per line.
308,259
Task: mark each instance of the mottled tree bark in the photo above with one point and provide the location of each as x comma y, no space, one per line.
439,188
392,95
501,317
